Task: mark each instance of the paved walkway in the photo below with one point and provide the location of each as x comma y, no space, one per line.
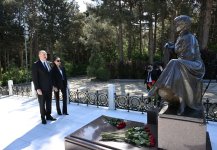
21,126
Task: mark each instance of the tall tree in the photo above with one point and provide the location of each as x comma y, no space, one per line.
205,21
11,35
33,21
53,14
115,10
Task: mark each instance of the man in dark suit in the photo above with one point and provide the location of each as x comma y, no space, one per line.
42,80
153,73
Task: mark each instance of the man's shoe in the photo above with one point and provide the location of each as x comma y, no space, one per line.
43,121
50,118
59,113
65,114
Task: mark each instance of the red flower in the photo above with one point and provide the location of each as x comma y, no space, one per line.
151,139
151,136
152,144
146,127
121,125
147,130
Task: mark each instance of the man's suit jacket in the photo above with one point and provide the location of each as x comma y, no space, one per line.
155,73
59,80
41,76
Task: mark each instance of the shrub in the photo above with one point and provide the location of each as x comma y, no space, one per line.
102,74
18,75
97,67
69,68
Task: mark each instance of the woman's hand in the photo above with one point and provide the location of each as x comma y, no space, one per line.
55,89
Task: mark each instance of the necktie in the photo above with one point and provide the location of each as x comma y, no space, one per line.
149,77
45,66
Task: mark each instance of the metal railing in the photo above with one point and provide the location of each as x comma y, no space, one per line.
127,102
4,90
89,98
135,103
22,89
210,110
132,103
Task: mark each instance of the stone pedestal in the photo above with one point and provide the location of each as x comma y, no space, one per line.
181,132
152,116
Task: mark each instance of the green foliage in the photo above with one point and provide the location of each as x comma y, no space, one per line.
69,68
79,69
137,56
157,57
75,69
97,67
18,75
58,27
100,37
102,74
213,47
128,70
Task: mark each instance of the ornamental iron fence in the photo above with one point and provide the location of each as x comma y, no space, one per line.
210,110
132,103
98,98
4,90
22,89
89,98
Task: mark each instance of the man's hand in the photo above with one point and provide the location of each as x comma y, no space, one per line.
39,92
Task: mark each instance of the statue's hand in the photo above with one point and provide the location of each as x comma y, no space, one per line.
170,46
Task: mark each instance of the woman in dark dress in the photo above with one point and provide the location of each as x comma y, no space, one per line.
60,84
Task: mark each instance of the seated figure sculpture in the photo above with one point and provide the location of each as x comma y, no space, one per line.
181,80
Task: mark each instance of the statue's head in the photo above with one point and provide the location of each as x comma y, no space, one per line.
182,23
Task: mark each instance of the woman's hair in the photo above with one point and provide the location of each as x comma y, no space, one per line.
55,58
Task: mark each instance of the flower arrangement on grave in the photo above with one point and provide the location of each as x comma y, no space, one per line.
139,136
118,123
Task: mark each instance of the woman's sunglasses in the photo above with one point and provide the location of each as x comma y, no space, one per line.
58,60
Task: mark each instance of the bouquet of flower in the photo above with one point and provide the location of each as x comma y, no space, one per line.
139,136
118,123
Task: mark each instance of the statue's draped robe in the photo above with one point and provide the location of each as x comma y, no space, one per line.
183,76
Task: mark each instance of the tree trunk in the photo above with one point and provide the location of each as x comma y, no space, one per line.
162,41
155,32
140,37
21,55
5,59
166,54
172,28
120,35
30,52
129,49
205,19
151,43
120,43
8,59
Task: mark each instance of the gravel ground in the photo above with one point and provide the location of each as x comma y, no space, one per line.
125,86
